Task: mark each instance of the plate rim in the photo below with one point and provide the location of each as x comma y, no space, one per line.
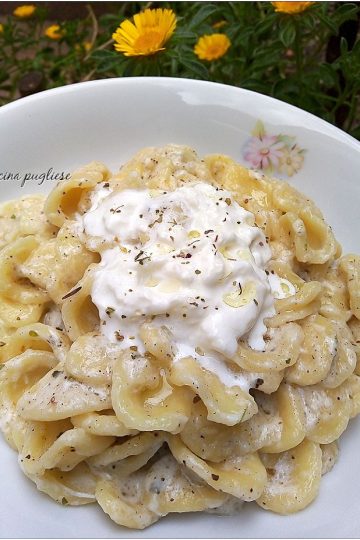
328,129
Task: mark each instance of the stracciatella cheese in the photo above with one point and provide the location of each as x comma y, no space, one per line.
191,259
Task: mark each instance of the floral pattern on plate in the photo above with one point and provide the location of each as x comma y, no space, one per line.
273,154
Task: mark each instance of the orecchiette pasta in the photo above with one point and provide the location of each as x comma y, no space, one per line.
139,374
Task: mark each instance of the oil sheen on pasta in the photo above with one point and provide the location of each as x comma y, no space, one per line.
192,259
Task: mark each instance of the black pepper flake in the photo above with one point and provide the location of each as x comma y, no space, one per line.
106,184
64,501
139,255
215,477
71,293
197,271
28,456
109,311
118,336
55,373
288,361
2,343
267,272
196,399
259,382
209,231
256,302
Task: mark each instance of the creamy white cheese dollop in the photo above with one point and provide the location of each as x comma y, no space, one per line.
191,259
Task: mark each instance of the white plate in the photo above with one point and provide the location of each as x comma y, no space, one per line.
110,120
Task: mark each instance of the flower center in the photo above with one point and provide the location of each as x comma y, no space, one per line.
149,41
264,151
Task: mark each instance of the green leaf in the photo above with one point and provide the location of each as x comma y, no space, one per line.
287,33
194,67
183,35
204,13
104,54
343,46
344,12
328,22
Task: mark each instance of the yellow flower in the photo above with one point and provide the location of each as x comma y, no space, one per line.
291,8
87,45
53,32
23,12
149,32
1,28
212,47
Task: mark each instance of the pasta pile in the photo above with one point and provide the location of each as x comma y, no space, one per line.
144,436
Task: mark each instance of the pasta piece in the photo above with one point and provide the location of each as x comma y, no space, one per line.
293,478
231,176
142,498
225,404
344,360
329,456
64,453
64,200
163,168
293,427
312,238
24,217
354,325
58,265
294,308
12,285
131,513
157,342
104,423
57,396
75,487
14,315
214,442
327,412
16,377
91,358
38,334
317,352
127,457
241,476
335,296
280,352
353,384
79,313
142,397
350,266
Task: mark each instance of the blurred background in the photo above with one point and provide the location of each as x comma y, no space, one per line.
304,53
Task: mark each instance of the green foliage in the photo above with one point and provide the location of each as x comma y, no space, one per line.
277,54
